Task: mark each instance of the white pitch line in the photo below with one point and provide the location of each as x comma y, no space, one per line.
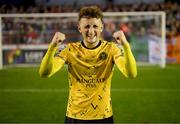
66,90
34,90
146,90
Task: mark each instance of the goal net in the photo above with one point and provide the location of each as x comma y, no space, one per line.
24,38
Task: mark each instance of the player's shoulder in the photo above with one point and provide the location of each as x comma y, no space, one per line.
108,43
68,47
74,44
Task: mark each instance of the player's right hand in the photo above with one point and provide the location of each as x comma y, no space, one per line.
58,38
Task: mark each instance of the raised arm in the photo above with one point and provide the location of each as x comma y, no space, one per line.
51,64
124,58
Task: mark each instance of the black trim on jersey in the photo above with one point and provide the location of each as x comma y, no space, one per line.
102,121
93,47
60,57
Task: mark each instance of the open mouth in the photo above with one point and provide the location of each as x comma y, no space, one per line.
91,37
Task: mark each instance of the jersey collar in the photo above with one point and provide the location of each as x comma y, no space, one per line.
82,42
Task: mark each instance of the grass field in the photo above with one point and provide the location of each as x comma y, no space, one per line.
154,96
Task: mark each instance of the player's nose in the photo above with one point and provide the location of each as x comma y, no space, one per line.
91,31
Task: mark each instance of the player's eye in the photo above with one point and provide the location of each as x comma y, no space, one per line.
87,26
95,26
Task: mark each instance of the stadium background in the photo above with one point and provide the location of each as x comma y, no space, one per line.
152,97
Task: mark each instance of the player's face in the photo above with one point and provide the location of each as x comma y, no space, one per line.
91,29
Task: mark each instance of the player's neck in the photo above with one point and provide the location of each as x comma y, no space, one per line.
91,45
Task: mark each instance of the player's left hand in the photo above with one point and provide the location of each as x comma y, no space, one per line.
120,37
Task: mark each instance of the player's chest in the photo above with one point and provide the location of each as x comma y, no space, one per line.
89,57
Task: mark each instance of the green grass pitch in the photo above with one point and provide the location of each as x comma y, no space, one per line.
154,96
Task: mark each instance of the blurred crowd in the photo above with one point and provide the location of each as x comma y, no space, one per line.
172,10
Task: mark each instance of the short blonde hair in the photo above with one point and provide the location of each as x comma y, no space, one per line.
90,12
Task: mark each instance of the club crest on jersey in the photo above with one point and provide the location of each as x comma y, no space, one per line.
103,55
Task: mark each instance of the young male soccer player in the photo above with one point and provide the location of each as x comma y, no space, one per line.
90,65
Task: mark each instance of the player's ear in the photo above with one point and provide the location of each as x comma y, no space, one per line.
79,29
102,27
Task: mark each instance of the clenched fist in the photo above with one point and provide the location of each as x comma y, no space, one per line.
120,37
58,38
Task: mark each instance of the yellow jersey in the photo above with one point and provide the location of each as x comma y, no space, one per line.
89,73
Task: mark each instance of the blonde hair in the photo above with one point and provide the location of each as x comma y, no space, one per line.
90,12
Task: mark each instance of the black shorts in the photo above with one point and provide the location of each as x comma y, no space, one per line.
101,121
